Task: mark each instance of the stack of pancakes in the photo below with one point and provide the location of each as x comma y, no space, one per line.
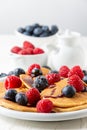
60,104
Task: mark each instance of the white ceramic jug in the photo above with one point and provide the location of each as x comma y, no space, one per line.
67,52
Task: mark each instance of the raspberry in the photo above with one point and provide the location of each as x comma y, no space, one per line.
63,71
38,51
29,51
44,106
23,52
27,44
76,70
16,49
52,78
31,67
76,82
33,96
12,82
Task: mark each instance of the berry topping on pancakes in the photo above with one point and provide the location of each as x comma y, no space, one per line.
76,82
69,91
12,82
76,70
44,106
52,78
33,96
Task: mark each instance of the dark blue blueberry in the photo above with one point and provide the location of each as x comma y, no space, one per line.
3,75
44,34
10,94
11,72
53,71
54,29
68,91
85,72
29,29
85,79
36,25
17,72
84,89
45,66
21,30
45,28
21,99
27,33
40,82
37,31
36,72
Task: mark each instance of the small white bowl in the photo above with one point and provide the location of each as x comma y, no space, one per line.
24,61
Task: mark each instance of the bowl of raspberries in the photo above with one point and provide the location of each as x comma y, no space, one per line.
39,35
27,54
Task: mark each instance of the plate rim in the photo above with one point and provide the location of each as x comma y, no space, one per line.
33,116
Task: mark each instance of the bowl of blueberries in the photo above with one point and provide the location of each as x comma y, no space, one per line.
40,35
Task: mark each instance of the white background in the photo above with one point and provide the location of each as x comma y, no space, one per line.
71,14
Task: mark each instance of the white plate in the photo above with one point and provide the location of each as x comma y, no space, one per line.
43,116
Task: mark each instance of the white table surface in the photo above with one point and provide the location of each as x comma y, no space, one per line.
6,123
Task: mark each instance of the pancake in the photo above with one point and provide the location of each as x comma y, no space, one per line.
80,98
53,92
68,109
45,70
26,80
12,105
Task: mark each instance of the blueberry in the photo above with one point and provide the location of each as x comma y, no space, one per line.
10,94
36,72
29,29
11,73
3,75
17,72
40,82
21,30
44,34
45,28
21,99
37,31
45,66
26,33
68,91
85,79
84,89
36,25
54,29
85,72
53,71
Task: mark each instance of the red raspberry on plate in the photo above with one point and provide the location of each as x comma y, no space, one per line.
31,67
76,82
76,70
16,49
12,82
52,78
63,71
44,106
38,51
27,44
33,96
